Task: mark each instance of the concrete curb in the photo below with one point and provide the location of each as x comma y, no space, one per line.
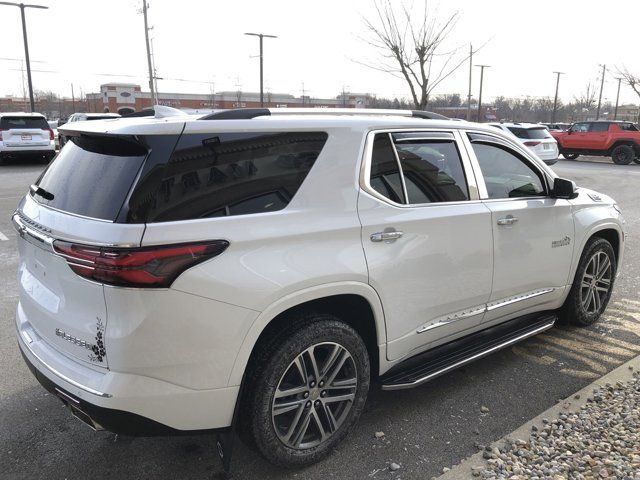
623,373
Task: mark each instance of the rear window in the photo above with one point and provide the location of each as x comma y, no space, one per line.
537,133
8,123
92,176
217,175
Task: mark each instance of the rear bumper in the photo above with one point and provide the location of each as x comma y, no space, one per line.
7,151
124,403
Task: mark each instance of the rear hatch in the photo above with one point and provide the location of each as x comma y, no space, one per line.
538,139
76,200
25,131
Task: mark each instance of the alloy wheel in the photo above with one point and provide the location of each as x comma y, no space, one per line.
596,282
314,395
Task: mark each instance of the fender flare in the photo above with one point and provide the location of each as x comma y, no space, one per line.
606,224
302,296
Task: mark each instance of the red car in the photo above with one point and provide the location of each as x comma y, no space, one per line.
615,139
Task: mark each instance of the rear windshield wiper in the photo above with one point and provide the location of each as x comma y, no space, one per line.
36,190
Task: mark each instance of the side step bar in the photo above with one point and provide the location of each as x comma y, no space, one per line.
440,360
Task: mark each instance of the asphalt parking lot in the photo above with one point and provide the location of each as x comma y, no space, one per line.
425,429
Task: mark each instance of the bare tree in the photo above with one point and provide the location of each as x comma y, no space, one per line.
631,80
411,47
586,99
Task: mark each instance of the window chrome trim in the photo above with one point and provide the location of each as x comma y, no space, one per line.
470,176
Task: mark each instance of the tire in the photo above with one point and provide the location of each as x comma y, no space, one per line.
623,155
274,426
636,160
570,156
580,308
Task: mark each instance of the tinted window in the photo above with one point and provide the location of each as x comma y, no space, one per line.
505,174
599,127
530,133
432,171
385,174
211,175
92,176
7,123
580,127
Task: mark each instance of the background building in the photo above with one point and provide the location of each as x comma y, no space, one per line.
128,97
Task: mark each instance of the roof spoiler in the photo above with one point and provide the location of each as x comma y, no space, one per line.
249,113
157,111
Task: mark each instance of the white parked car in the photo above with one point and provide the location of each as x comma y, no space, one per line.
258,269
25,135
535,137
83,117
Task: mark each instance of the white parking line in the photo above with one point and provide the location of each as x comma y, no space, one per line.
3,237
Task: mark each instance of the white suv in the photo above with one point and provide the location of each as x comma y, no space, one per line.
259,269
535,137
25,134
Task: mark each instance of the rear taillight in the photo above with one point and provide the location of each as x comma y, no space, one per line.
145,267
531,144
51,135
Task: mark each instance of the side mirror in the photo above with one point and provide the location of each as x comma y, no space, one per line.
563,188
569,132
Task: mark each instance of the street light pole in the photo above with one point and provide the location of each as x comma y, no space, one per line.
470,76
152,89
261,36
555,99
482,67
604,69
22,6
615,114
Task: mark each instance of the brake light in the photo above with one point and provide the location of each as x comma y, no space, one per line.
531,144
51,135
145,267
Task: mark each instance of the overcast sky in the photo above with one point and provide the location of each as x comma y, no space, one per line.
80,42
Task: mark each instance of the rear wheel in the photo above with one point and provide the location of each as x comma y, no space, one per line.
637,159
570,156
623,155
306,392
592,285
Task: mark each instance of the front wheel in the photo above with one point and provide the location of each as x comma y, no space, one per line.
592,285
623,155
306,392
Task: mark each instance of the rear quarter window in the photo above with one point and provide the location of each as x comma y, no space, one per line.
215,175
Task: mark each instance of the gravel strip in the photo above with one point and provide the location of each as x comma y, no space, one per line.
600,440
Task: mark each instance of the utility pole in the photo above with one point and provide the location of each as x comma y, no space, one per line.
261,36
303,92
604,69
470,76
146,38
555,99
482,67
73,100
615,114
22,6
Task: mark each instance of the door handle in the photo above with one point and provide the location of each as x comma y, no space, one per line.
386,237
508,220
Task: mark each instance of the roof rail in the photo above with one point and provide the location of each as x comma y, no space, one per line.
248,113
